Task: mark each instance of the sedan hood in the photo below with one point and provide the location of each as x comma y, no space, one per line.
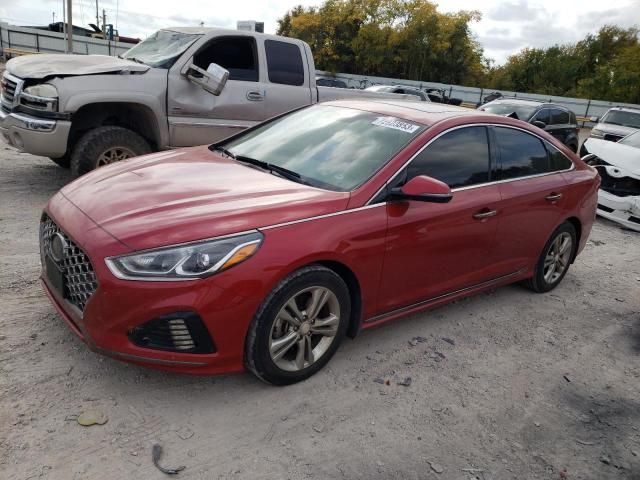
617,154
57,65
190,194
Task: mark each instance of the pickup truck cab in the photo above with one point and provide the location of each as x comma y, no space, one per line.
179,87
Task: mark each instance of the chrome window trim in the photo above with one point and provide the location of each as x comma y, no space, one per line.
479,185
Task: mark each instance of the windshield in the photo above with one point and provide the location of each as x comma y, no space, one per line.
633,140
330,147
161,49
620,117
523,112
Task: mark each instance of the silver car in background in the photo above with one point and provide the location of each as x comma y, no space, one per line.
616,124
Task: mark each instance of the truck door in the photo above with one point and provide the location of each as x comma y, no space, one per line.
288,78
197,117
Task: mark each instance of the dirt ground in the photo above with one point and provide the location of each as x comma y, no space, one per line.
505,385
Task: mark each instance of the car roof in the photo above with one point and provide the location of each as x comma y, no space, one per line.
626,109
425,113
227,31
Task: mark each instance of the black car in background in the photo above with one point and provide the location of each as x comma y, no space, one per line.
330,82
559,121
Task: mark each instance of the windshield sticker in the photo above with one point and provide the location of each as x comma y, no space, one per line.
391,122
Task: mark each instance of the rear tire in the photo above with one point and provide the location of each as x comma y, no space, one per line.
554,261
105,145
286,345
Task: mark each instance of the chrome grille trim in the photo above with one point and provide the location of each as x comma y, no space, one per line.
11,88
80,280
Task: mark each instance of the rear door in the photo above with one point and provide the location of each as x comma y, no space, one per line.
287,80
435,248
196,116
533,197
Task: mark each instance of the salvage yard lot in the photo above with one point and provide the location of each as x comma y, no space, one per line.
507,384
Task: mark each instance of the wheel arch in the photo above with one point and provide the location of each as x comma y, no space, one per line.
136,117
577,224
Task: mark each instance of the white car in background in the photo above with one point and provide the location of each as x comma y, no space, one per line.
618,164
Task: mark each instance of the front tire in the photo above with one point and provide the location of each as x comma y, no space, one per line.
299,327
104,145
555,259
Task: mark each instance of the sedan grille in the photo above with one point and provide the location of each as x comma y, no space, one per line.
79,280
621,187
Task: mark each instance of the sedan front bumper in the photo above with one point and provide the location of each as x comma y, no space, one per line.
38,136
622,210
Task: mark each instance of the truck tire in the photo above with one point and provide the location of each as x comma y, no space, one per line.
104,145
64,162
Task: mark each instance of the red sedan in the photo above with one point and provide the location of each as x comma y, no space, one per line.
263,251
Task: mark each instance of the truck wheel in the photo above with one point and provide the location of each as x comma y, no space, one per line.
104,145
64,162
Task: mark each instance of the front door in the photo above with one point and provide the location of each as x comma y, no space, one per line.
434,248
197,117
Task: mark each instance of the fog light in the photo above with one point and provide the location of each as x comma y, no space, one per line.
178,332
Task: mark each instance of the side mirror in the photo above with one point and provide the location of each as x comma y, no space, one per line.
593,119
539,124
213,79
423,189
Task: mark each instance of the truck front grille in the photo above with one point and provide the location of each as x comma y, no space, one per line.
9,88
79,279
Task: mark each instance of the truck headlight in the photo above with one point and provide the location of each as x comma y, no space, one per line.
40,97
595,133
186,262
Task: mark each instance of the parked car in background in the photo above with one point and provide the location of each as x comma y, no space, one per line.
619,167
264,250
559,121
330,82
616,124
179,87
400,89
439,95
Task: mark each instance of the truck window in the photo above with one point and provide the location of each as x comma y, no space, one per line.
285,63
236,54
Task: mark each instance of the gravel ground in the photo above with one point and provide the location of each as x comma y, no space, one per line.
505,385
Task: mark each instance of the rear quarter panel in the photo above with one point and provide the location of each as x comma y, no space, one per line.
582,197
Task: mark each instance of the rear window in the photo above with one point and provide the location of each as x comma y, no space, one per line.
284,62
521,154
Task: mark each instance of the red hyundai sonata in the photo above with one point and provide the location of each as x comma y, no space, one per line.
263,251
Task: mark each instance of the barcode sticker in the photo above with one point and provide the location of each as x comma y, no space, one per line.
392,122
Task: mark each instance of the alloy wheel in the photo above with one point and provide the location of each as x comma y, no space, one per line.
114,154
557,258
304,329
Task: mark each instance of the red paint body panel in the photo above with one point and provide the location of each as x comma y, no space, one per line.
406,256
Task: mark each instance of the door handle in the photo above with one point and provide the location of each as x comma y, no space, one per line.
255,96
485,214
553,197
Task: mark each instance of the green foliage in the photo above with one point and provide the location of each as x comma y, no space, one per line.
411,39
604,66
393,38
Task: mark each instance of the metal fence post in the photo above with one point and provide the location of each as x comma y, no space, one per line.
481,93
37,43
586,112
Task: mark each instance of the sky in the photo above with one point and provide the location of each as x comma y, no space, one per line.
506,27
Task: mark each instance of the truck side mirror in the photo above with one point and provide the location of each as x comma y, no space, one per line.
212,80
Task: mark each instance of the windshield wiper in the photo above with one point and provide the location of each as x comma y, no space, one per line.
134,59
225,151
284,172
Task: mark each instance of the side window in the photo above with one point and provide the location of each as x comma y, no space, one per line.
543,116
236,54
559,117
557,159
458,158
521,154
572,118
284,61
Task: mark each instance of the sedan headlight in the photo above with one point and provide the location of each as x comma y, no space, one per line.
40,97
186,262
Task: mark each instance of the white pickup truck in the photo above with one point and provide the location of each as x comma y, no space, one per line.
179,87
